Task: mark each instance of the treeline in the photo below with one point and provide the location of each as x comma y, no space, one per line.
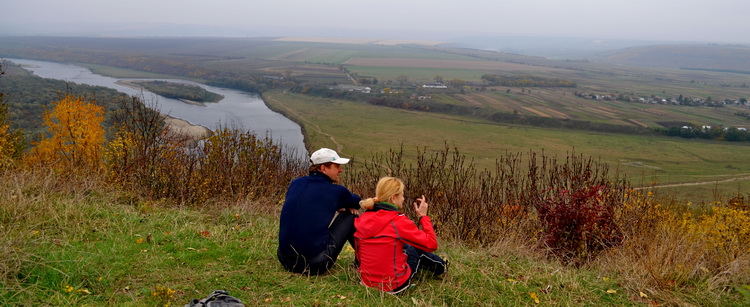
548,122
399,103
247,84
321,90
526,81
180,91
719,133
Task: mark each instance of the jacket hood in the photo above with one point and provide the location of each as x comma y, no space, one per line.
374,220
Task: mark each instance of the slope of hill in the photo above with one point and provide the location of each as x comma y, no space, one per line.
707,57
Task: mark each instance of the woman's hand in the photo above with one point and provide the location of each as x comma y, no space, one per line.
421,206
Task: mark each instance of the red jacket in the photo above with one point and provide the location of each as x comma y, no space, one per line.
379,238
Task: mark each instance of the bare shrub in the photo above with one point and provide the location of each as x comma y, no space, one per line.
482,206
229,164
234,164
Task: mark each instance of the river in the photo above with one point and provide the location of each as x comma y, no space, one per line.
237,109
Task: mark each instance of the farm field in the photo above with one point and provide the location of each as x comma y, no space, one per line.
358,129
563,104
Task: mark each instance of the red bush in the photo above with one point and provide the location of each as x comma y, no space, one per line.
578,225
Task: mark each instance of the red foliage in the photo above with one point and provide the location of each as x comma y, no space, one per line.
578,225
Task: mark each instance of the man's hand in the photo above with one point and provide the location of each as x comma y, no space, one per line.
351,210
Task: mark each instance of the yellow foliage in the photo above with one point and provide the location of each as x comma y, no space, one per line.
725,231
4,143
9,139
77,136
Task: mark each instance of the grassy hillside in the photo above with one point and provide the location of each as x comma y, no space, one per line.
77,242
705,56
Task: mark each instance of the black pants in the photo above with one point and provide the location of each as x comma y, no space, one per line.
418,259
340,231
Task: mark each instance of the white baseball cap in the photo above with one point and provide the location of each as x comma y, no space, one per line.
325,155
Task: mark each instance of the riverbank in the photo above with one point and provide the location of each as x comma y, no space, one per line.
196,132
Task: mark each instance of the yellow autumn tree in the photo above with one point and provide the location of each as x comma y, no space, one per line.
10,140
7,139
76,136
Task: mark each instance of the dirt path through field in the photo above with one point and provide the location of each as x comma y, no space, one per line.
744,177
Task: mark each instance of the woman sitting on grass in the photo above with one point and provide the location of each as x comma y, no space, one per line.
390,248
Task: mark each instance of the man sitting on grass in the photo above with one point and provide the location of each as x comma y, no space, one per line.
317,217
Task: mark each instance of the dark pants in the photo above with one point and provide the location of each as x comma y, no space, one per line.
340,231
418,259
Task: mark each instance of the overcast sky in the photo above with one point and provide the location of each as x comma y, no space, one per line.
721,21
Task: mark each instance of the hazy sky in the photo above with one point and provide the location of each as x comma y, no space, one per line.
723,21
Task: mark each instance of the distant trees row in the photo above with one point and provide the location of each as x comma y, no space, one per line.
526,81
549,122
399,103
718,133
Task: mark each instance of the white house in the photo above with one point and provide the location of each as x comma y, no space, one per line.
434,85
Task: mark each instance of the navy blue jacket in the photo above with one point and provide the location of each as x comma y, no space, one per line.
310,204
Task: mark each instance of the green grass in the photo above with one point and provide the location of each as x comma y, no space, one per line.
94,246
706,193
359,129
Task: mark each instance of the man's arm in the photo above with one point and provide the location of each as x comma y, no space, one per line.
348,200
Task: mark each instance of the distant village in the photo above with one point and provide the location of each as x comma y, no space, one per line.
680,100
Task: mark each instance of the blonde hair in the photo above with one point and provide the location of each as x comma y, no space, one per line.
387,187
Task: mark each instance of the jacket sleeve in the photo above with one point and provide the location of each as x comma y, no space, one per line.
348,199
409,233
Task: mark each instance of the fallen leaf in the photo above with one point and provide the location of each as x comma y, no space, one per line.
534,297
511,280
643,295
605,278
611,291
84,291
139,241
